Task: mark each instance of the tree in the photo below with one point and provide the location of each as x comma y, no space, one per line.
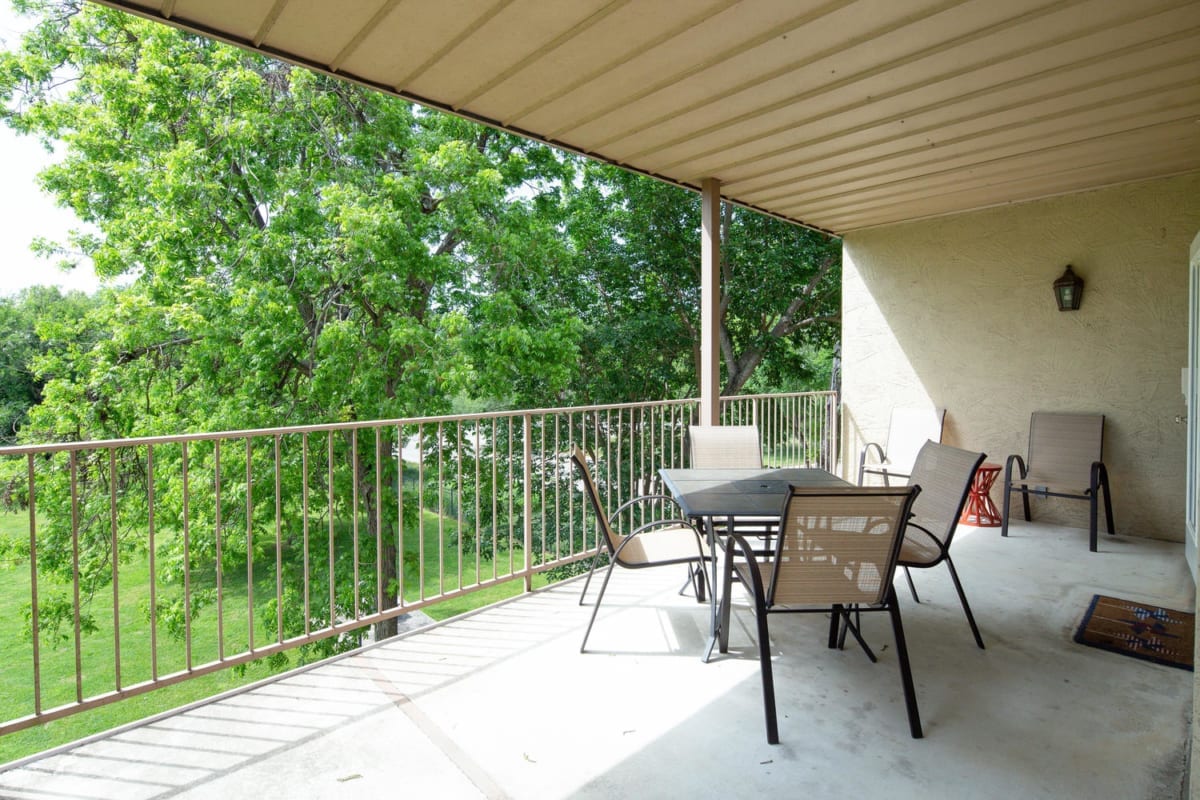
37,321
639,288
300,249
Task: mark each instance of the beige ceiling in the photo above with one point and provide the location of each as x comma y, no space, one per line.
840,115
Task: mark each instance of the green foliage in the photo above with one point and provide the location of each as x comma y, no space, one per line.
36,326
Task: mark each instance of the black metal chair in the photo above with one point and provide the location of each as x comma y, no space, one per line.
836,552
944,474
660,542
1066,459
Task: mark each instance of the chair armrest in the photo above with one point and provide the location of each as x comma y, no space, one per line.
643,499
862,458
738,542
928,533
663,523
1008,465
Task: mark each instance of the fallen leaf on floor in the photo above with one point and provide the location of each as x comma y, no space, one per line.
353,777
527,758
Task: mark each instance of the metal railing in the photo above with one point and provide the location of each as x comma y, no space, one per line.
155,560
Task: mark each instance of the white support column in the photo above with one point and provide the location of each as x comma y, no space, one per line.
710,302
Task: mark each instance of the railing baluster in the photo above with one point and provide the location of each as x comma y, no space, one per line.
441,511
153,556
219,535
187,563
354,511
116,574
250,543
458,516
378,520
34,617
304,530
329,500
278,542
75,575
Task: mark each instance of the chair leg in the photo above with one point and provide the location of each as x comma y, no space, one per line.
596,608
910,692
911,586
962,597
1007,503
852,627
697,580
768,676
726,601
1093,508
835,621
588,582
1108,515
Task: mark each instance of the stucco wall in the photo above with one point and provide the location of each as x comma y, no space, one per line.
958,312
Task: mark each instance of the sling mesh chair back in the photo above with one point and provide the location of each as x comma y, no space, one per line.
1066,459
836,551
724,446
731,447
944,474
659,542
908,430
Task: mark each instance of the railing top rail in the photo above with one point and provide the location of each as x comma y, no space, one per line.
139,441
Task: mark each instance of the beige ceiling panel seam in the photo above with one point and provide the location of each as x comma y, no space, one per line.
787,126
790,145
465,33
845,183
1049,174
758,80
1046,164
796,100
1022,192
800,156
540,52
366,30
686,24
662,83
268,22
1137,96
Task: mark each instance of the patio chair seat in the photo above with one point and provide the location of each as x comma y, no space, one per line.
920,549
676,543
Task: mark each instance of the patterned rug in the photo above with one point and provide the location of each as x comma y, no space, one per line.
1143,631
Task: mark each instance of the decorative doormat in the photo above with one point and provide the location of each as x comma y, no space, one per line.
1148,632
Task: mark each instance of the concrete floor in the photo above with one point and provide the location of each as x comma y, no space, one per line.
501,704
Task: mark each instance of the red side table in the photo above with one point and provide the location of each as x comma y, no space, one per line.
980,511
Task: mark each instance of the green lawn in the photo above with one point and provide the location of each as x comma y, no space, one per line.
97,651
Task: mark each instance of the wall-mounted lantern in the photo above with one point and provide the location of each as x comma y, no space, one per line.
1068,290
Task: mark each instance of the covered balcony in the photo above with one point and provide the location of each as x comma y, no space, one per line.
965,152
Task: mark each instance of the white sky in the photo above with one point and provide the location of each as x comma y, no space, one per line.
26,212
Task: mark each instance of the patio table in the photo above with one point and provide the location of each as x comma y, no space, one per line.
713,495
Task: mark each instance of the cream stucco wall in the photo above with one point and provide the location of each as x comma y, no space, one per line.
958,312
